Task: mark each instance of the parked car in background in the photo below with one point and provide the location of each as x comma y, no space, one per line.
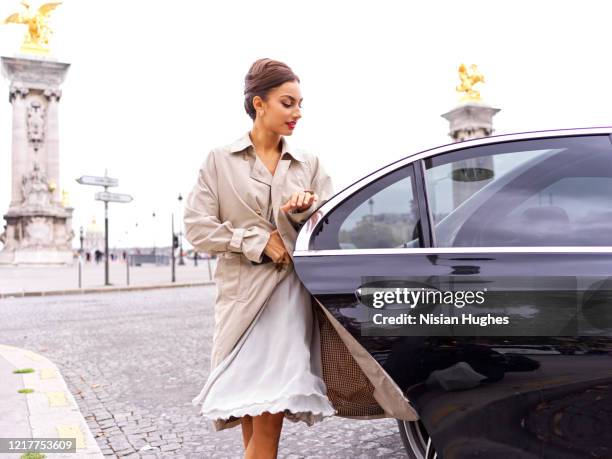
528,217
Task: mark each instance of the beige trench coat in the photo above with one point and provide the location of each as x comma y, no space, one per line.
227,214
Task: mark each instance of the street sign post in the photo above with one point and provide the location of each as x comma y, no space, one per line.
97,181
113,197
106,197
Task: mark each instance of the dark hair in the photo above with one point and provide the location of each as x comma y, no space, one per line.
264,75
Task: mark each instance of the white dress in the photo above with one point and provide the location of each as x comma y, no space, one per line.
276,364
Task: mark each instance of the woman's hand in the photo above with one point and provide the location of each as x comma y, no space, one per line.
284,263
300,201
275,249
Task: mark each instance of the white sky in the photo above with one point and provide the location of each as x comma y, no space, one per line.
154,86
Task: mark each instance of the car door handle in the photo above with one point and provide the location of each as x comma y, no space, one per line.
298,226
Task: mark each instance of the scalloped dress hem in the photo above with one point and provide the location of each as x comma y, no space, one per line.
275,366
310,409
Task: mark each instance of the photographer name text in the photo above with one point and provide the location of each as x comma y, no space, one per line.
440,319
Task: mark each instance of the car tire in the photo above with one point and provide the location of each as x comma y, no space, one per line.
416,440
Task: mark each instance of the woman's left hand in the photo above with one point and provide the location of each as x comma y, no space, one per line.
300,201
283,263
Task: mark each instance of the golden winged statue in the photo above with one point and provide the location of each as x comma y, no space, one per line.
469,78
37,36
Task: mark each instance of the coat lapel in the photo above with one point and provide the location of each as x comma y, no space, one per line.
260,173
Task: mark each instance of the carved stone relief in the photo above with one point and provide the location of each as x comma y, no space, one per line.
53,94
36,123
38,231
17,91
35,188
63,238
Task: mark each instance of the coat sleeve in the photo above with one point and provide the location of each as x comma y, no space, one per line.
203,228
321,184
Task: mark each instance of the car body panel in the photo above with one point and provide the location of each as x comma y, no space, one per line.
548,391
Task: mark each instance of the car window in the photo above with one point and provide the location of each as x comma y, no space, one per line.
573,211
384,214
545,192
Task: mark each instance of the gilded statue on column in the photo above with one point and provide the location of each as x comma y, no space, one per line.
37,36
469,78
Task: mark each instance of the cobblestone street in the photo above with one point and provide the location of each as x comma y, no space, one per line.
135,360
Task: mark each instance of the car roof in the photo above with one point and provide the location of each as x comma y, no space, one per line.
499,138
508,137
343,194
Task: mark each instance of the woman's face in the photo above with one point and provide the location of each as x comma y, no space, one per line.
282,108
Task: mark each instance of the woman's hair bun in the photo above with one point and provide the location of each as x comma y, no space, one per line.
264,75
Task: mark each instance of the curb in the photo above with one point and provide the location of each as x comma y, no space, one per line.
50,411
81,291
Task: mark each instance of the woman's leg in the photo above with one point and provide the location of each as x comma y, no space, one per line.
247,429
266,435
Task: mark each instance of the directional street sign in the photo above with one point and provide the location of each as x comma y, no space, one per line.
99,181
113,197
106,197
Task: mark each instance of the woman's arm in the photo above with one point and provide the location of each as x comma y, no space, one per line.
206,232
321,184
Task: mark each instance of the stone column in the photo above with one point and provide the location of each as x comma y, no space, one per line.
20,158
52,140
38,227
471,120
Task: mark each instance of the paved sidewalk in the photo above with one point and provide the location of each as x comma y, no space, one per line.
50,411
63,280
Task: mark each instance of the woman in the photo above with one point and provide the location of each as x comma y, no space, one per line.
247,203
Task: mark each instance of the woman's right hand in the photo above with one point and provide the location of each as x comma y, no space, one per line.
275,249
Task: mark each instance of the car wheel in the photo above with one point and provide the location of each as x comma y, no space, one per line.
416,440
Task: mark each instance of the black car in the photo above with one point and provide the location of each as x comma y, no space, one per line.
528,219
